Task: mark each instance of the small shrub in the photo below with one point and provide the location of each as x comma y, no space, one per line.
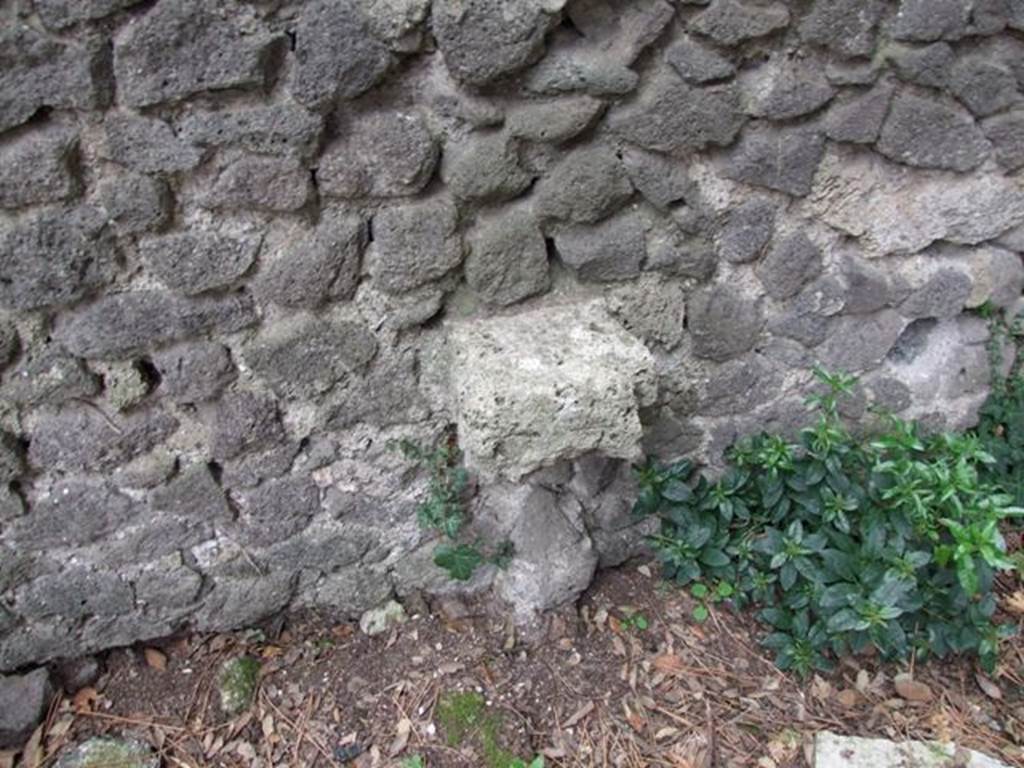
841,542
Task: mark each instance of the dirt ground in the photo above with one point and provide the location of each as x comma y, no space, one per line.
591,689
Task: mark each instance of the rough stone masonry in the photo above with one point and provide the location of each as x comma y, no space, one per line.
246,244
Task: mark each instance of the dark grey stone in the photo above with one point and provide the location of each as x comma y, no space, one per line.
672,117
61,14
858,117
612,249
943,295
55,256
667,437
930,20
47,374
507,259
844,26
807,318
37,71
123,324
724,323
387,395
276,510
194,372
80,437
147,144
276,129
852,72
12,506
663,181
555,120
623,28
321,266
789,265
75,674
249,470
76,513
573,66
867,287
929,65
860,342
912,341
783,88
1006,132
483,168
193,494
672,251
696,62
24,700
891,394
185,47
381,154
194,262
10,343
738,386
781,158
730,21
147,470
414,244
747,230
12,458
586,185
929,133
337,56
74,594
39,167
238,602
136,203
168,587
984,86
273,184
484,39
244,421
306,357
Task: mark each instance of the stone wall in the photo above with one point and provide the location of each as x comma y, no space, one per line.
235,237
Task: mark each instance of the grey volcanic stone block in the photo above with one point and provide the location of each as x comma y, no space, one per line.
844,26
123,324
783,88
23,703
696,62
834,751
652,308
136,203
260,183
672,117
663,181
858,117
414,244
807,318
381,154
929,65
485,39
193,494
1006,132
623,28
943,295
39,167
12,458
483,167
730,21
276,510
147,144
318,267
47,374
929,133
77,438
550,384
76,593
75,513
573,66
337,56
724,323
37,71
984,86
791,263
508,258
60,14
861,342
612,249
930,20
194,262
306,357
554,120
747,230
194,372
55,256
866,287
277,129
183,47
781,158
244,421
586,185
10,343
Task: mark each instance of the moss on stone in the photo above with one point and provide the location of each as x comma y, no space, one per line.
105,752
238,680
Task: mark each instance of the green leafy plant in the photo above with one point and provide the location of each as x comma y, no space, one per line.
443,509
633,620
414,761
840,542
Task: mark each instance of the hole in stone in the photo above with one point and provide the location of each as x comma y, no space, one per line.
149,373
912,341
216,470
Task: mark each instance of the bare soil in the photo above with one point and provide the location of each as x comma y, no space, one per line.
587,689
